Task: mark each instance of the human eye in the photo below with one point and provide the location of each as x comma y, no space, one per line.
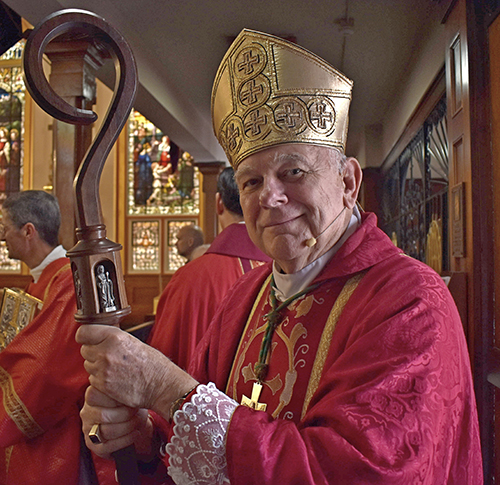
293,174
248,182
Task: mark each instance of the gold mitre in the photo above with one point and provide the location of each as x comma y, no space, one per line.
268,91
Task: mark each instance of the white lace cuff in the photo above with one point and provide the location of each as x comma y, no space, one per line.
197,449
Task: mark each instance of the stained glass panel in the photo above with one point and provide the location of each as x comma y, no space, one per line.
145,246
12,92
12,101
15,52
8,265
173,260
162,178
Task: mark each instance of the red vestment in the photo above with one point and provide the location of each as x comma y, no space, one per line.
43,382
192,296
378,392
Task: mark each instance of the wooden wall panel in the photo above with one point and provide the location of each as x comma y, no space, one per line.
494,35
14,281
457,89
494,45
141,292
469,124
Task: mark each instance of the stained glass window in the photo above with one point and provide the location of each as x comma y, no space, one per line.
12,93
162,178
12,100
146,243
145,246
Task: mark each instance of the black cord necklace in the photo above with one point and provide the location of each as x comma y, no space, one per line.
274,318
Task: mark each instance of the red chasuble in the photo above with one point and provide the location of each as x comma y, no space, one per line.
43,382
369,378
192,296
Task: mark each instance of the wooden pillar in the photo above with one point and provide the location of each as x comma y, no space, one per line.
370,193
73,68
210,172
472,201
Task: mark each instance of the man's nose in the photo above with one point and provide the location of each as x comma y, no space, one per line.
272,193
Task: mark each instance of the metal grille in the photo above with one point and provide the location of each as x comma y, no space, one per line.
415,194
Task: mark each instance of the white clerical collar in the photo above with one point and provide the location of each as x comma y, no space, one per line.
287,285
57,253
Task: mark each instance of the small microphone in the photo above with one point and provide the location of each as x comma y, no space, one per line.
313,240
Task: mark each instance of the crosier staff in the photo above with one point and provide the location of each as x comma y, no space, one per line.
95,260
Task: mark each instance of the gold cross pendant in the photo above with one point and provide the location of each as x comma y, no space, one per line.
253,402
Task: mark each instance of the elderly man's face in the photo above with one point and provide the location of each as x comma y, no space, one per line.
289,194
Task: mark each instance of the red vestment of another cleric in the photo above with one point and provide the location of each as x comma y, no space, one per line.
380,392
43,382
192,296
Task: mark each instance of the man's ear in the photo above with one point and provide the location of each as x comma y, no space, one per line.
352,177
219,206
30,230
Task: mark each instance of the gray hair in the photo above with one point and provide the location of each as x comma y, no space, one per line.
339,158
37,207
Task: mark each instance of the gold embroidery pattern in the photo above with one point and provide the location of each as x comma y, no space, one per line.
291,374
303,306
16,409
255,264
8,454
237,364
241,266
64,268
326,337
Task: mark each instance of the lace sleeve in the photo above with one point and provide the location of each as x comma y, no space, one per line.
197,449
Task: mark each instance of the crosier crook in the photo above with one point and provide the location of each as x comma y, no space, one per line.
95,260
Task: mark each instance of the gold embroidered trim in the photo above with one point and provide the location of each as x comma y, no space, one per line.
64,268
241,266
237,364
16,409
8,454
326,337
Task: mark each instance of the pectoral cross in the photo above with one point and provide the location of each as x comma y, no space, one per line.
253,401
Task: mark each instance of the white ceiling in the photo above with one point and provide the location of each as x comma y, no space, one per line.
178,45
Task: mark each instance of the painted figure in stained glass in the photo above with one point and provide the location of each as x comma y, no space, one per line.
143,170
186,176
4,157
162,177
13,179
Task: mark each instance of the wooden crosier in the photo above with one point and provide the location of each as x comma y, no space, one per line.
95,260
